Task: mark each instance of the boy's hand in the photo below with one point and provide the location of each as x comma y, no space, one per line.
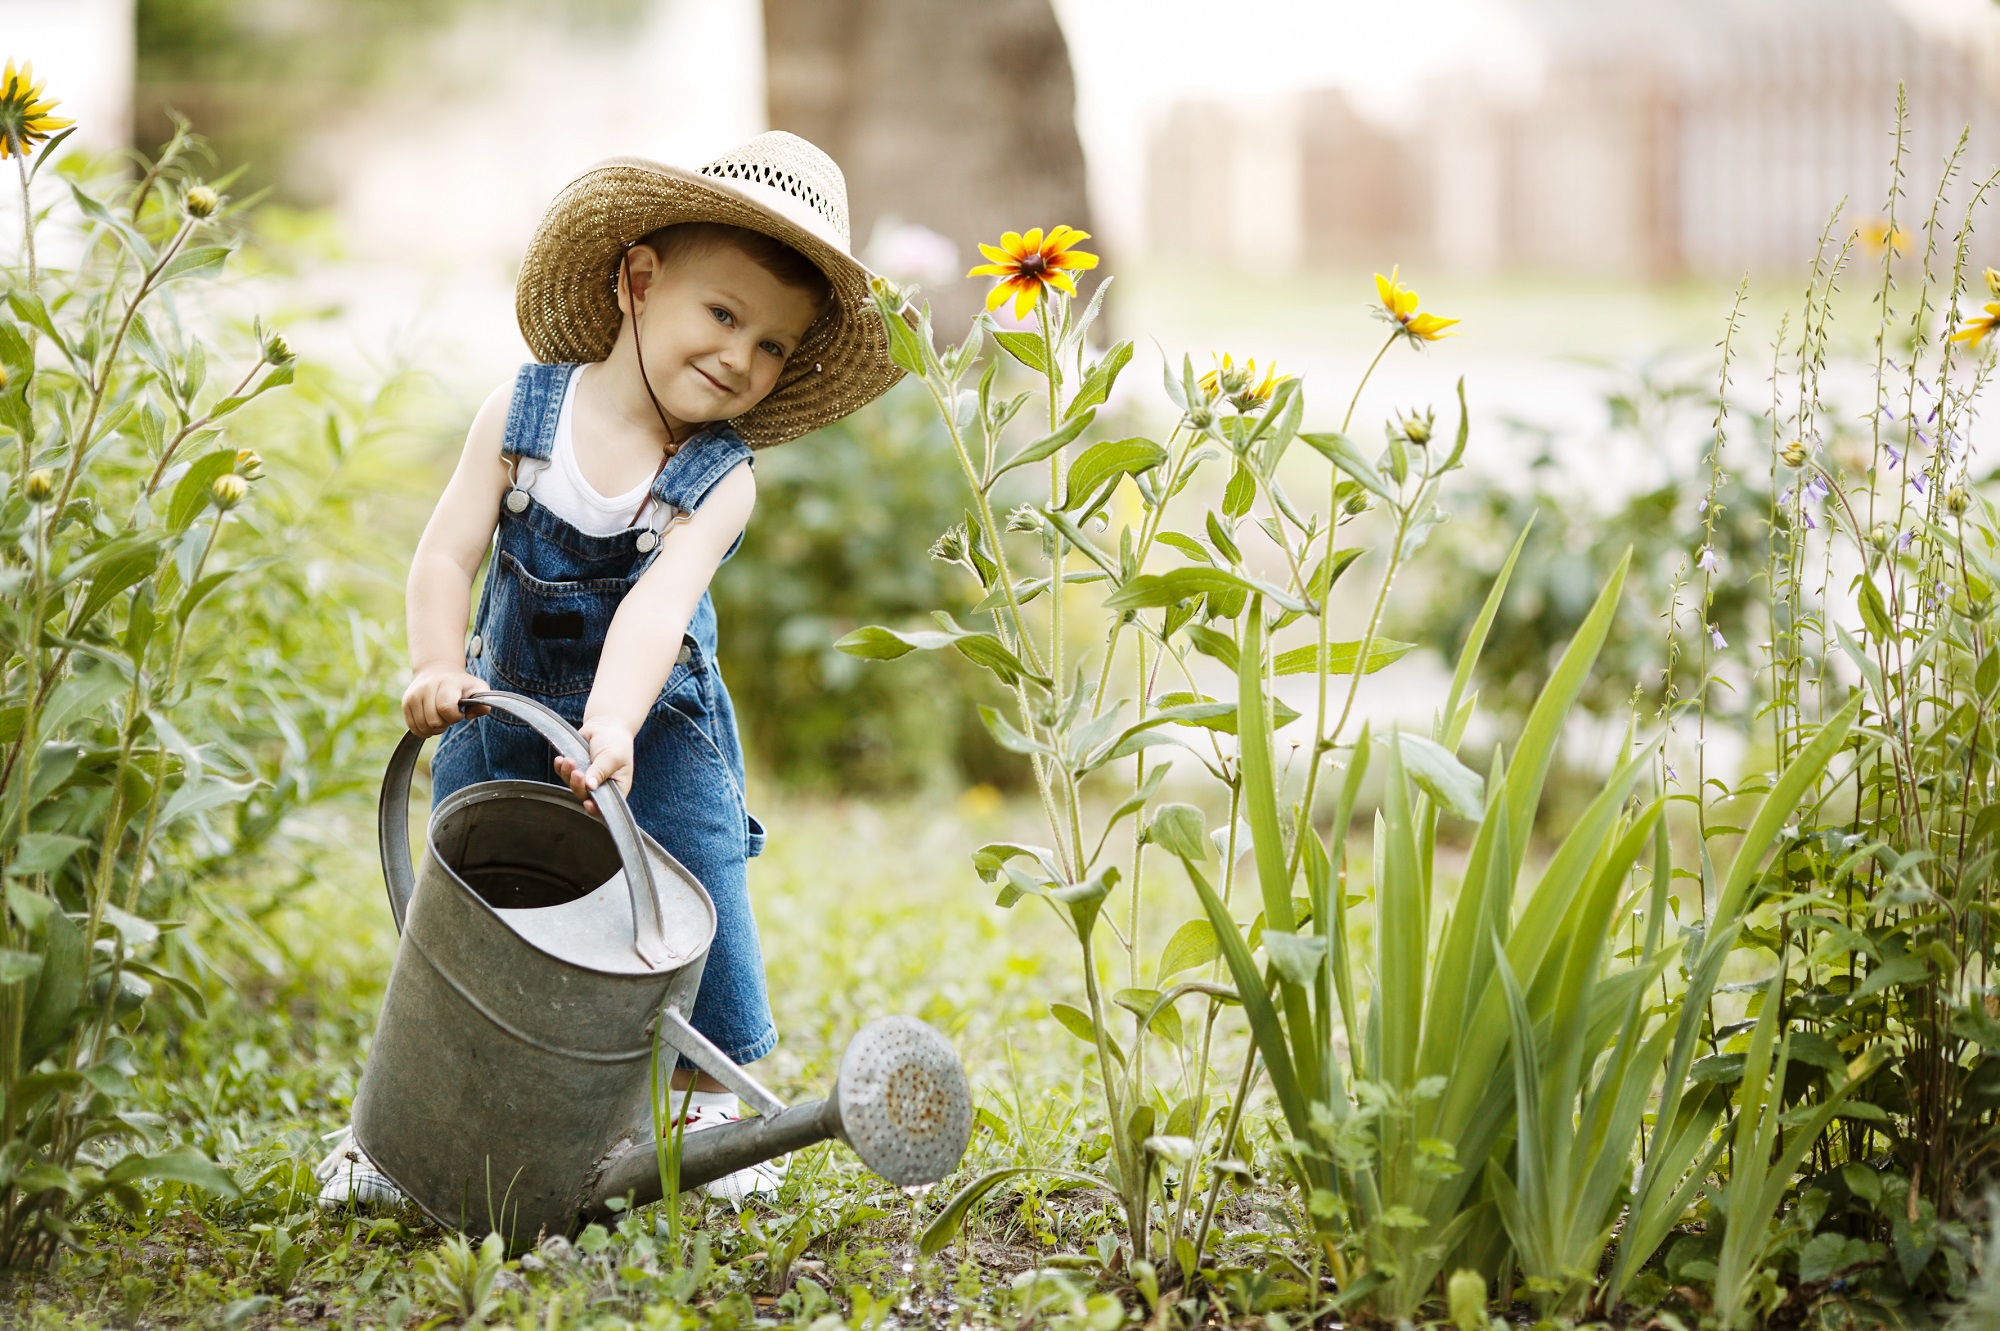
610,760
431,703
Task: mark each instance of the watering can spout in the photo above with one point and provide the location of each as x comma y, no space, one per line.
901,1101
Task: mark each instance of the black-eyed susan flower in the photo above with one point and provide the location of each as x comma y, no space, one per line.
1980,327
1240,384
24,112
1399,306
1026,265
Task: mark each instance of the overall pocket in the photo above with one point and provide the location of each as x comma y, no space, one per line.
545,637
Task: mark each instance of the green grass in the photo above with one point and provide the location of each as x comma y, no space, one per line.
865,910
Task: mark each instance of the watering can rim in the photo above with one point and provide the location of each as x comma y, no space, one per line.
399,868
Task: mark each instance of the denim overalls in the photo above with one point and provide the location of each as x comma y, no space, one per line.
550,593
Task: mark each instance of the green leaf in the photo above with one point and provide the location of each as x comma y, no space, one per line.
1179,829
947,1224
1152,590
1298,957
184,1166
1454,786
1086,899
18,966
1240,492
1006,736
1097,382
126,562
196,261
1874,613
65,965
1210,643
1342,453
1192,945
1342,656
1098,467
1026,348
79,696
876,643
906,344
1049,444
191,495
43,852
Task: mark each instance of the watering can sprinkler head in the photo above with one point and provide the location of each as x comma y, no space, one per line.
901,1101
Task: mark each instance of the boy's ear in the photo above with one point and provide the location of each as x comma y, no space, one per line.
642,267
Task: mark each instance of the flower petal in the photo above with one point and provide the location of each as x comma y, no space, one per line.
1077,259
1025,301
994,270
995,253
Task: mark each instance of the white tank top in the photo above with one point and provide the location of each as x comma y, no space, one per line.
561,488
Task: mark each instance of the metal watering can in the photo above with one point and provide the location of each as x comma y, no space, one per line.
542,953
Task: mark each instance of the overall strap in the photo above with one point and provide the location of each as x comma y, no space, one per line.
692,473
535,409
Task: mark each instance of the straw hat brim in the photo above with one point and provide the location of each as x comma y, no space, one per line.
566,296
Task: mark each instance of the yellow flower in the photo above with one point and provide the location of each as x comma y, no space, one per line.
24,112
1879,236
1979,328
1399,306
1027,264
1240,384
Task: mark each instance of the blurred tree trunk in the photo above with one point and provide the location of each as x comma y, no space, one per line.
958,115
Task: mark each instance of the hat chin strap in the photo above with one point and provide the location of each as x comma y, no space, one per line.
673,445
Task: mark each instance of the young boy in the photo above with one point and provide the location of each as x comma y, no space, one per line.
679,320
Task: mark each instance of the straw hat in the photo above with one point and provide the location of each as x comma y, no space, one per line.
779,184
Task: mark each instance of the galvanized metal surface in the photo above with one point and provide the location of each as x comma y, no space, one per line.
507,1087
901,1101
514,1041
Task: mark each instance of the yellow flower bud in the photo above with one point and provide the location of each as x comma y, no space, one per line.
1993,282
200,201
1956,500
1793,454
1417,429
41,484
277,351
1879,537
228,490
3,376
1357,503
249,464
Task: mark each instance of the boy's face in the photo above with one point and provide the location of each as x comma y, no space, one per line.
716,328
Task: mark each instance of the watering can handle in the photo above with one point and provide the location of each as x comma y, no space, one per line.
398,868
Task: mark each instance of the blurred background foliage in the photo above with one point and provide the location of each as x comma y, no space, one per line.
842,521
257,76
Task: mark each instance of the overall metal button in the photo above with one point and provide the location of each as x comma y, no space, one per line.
517,501
647,540
477,647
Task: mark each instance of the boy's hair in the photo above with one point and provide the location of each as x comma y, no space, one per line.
686,240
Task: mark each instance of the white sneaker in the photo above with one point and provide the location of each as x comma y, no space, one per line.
759,1180
347,1177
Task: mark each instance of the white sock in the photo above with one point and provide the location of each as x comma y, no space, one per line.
725,1100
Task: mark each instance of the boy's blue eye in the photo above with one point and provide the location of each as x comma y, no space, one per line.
722,316
775,349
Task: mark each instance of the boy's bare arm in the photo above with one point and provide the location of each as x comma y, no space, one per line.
438,597
645,635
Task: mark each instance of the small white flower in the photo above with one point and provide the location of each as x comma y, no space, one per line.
1716,639
1707,559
